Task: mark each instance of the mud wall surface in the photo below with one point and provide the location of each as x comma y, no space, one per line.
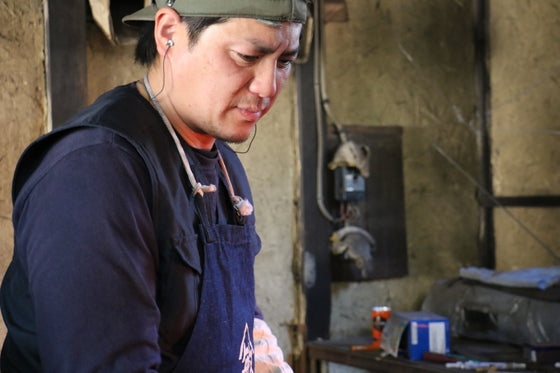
524,66
411,64
22,101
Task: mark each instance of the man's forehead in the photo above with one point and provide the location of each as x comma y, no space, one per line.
255,33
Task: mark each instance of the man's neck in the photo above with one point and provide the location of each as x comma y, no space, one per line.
192,141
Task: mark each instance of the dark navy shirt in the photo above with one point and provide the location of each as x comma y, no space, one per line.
83,230
82,289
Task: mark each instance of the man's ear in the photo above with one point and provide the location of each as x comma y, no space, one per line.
167,23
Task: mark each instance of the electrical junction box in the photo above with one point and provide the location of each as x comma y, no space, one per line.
350,185
381,212
413,333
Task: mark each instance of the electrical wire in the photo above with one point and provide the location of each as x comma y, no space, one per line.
325,101
250,143
163,71
317,65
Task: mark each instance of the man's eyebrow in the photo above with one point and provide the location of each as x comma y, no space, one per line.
267,50
291,53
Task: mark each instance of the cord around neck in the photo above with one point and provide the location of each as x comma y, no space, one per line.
241,205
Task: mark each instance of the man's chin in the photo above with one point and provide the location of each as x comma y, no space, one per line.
240,138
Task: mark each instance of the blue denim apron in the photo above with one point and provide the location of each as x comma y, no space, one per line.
222,337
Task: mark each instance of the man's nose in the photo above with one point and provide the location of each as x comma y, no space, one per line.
264,80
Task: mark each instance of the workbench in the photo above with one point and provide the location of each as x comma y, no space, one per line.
340,352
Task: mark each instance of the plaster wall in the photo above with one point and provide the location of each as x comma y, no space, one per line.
411,64
525,115
22,101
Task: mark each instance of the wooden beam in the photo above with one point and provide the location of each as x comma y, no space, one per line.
314,228
65,59
518,201
487,244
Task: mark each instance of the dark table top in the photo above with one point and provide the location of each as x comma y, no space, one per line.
340,351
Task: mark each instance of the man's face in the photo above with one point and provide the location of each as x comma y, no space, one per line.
221,86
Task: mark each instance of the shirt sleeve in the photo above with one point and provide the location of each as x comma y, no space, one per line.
86,238
268,355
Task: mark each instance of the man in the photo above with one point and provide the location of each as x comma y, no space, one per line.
134,232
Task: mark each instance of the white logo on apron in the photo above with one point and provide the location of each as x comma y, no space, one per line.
246,351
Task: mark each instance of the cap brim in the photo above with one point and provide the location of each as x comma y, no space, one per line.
272,10
143,15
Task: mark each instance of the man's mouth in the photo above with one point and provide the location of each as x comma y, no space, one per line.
251,114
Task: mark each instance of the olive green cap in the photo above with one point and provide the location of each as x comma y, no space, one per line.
271,10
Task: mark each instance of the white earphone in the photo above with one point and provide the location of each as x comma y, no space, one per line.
170,43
